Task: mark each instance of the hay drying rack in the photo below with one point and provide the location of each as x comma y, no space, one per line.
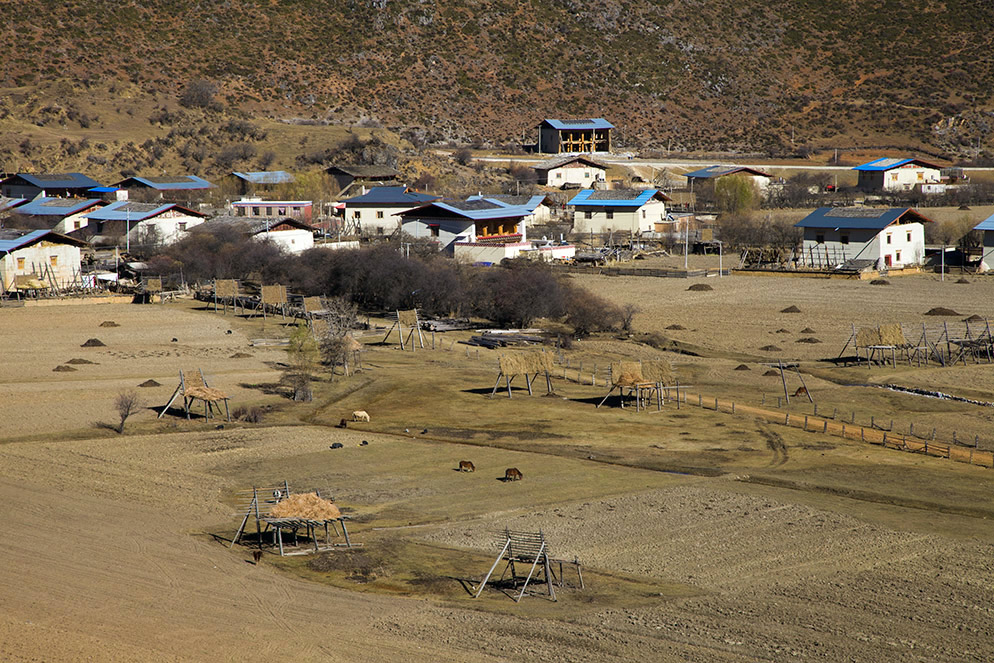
259,502
528,549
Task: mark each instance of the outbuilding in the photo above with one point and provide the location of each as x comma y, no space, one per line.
893,175
165,186
880,237
62,215
618,210
707,176
261,181
289,234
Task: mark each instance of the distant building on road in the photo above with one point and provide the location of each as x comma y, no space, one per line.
896,174
567,136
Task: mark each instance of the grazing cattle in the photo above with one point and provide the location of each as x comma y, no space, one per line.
360,415
466,466
256,555
342,424
513,474
336,445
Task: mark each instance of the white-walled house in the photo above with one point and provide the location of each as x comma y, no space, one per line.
62,215
987,257
711,174
377,211
146,223
44,255
618,210
289,234
540,205
452,222
570,172
885,237
889,174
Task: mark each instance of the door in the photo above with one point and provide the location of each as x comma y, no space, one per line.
887,260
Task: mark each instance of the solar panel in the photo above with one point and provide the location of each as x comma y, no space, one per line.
577,122
169,180
857,212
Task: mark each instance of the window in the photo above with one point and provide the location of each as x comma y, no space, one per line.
20,263
53,260
844,239
909,236
379,214
182,225
434,231
610,214
897,256
586,174
357,215
820,238
559,175
588,215
643,214
255,211
888,238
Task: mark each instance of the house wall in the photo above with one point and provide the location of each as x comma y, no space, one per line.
903,178
447,232
72,222
472,253
906,246
262,209
376,220
171,226
987,257
292,241
626,220
578,174
35,259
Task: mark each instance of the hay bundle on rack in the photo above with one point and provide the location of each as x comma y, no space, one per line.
892,334
626,373
868,336
408,318
525,363
306,506
226,288
657,370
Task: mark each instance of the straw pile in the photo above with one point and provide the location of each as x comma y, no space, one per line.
631,373
892,334
226,288
972,318
807,330
962,280
109,323
80,361
770,348
273,294
527,363
782,331
657,370
240,355
408,318
312,304
879,282
93,343
771,374
700,287
791,309
742,367
205,393
941,310
63,369
808,339
868,336
150,383
676,327
306,506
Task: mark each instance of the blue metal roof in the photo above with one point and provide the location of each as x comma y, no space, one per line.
103,189
532,203
126,210
584,123
57,181
986,224
265,177
11,203
594,198
61,207
390,195
719,171
857,218
473,213
13,243
181,182
887,163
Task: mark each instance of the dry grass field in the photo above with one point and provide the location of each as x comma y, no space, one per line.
705,535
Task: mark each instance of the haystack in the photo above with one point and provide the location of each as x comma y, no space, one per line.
240,355
63,369
868,336
525,363
742,367
93,343
150,383
676,327
892,334
808,339
631,373
972,318
791,309
941,310
80,361
771,374
879,282
109,323
962,280
700,287
306,506
807,330
770,348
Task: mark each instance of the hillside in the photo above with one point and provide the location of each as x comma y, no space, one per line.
681,74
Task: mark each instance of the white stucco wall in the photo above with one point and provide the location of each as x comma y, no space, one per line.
575,173
624,220
292,241
37,258
171,226
904,245
371,223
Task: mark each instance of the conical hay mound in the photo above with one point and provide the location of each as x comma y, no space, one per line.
307,506
109,323
941,310
742,367
972,318
771,374
770,348
791,309
700,287
93,343
879,282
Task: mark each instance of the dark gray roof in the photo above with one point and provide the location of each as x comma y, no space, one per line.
549,164
367,171
860,218
56,180
616,194
248,225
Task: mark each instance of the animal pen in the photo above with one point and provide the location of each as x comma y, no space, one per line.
529,364
647,381
410,320
528,549
282,510
946,343
193,387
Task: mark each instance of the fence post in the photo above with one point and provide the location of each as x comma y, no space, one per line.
733,407
825,427
843,430
873,422
805,423
862,434
954,438
816,409
715,404
700,401
786,419
778,401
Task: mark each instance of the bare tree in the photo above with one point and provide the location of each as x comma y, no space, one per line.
628,313
127,403
342,315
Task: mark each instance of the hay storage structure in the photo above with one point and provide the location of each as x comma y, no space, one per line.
410,320
529,364
647,381
282,510
193,387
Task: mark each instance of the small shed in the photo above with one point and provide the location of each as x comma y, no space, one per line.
987,256
259,181
883,237
707,176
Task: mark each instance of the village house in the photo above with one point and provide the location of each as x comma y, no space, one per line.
62,215
539,204
257,208
468,221
987,256
580,135
708,176
877,238
619,210
377,211
40,258
570,172
174,187
353,180
893,175
263,181
149,224
64,185
8,204
289,234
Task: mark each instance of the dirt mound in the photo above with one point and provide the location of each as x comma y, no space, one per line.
807,330
790,309
808,339
63,369
80,361
676,327
879,282
150,383
782,331
972,318
770,348
94,343
109,323
941,310
305,505
771,374
742,367
700,287
240,355
962,280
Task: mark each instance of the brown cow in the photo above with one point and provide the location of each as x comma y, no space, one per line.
466,466
513,474
256,555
